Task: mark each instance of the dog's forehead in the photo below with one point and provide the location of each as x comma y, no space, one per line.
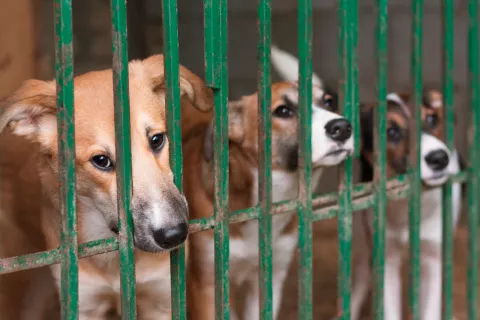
94,106
432,99
289,92
397,105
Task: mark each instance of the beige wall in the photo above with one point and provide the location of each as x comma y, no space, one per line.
17,44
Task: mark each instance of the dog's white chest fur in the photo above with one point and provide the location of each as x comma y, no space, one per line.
431,212
244,250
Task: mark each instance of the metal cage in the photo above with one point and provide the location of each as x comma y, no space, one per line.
350,198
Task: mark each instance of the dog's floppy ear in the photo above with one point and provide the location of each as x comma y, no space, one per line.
190,85
31,111
236,128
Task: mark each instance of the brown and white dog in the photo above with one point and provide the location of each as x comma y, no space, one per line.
160,212
332,142
437,164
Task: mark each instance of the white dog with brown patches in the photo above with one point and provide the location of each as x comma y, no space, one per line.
437,164
332,142
160,214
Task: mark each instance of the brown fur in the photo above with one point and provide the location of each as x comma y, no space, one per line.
397,152
30,112
243,157
397,117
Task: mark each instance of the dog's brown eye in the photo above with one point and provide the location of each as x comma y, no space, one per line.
157,141
328,102
394,134
431,121
102,162
283,112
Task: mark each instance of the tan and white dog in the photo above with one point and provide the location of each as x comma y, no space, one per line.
160,212
437,164
332,142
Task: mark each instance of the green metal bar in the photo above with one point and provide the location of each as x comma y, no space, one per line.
174,116
414,203
210,23
348,100
324,205
354,25
474,161
216,71
265,160
123,157
66,158
327,209
362,192
305,215
380,140
447,244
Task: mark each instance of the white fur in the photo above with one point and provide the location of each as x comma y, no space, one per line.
287,66
94,219
284,187
157,278
429,144
397,235
322,144
244,251
394,97
159,217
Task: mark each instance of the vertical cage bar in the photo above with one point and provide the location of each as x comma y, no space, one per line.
348,100
414,201
354,25
447,223
123,157
378,258
66,158
174,126
216,71
305,215
265,160
474,161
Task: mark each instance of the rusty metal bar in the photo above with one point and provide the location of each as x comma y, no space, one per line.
216,73
123,157
66,159
305,216
174,116
380,173
265,161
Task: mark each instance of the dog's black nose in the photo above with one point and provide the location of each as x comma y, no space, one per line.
338,129
437,160
169,238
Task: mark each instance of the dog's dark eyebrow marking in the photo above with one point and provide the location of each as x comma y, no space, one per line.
289,103
147,130
391,123
426,101
394,107
108,152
